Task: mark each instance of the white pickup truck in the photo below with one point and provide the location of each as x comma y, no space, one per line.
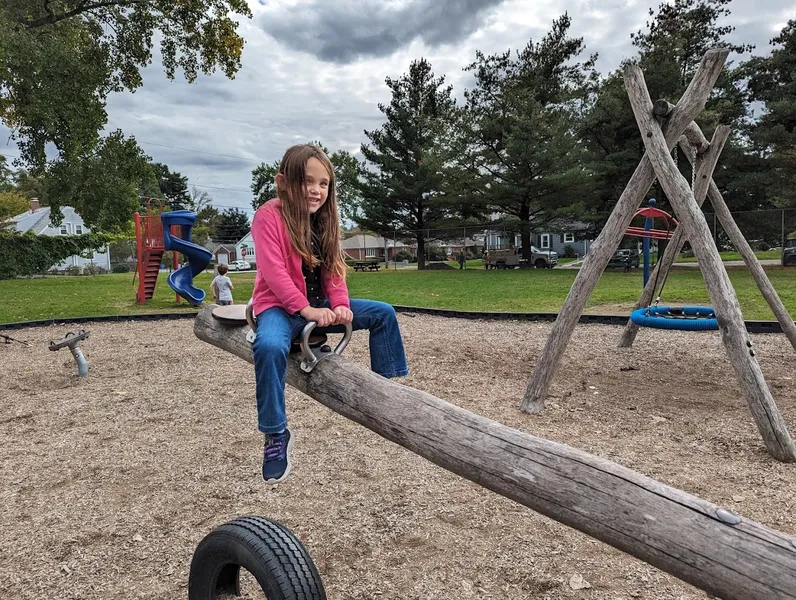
511,258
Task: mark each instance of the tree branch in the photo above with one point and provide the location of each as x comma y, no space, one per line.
52,18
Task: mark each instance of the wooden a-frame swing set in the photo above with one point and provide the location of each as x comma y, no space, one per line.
657,161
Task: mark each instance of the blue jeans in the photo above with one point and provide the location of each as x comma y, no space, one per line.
275,331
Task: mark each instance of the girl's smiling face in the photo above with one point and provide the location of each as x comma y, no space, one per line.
316,184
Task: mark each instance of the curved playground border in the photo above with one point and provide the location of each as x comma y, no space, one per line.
751,326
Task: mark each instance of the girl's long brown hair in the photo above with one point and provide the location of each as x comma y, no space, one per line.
296,213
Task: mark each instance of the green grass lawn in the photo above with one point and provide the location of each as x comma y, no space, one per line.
531,290
732,255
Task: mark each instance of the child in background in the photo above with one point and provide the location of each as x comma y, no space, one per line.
222,286
301,278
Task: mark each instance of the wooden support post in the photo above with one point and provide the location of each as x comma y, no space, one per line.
696,139
728,311
705,169
692,133
695,540
690,105
755,268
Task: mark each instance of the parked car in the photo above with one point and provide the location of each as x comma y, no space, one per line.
789,253
624,258
239,265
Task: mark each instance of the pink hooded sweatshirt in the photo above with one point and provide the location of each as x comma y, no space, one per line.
280,281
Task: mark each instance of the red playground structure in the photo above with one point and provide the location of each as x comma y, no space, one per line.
150,247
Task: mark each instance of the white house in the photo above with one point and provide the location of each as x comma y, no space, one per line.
37,220
244,249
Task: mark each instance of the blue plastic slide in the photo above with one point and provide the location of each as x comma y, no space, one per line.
181,280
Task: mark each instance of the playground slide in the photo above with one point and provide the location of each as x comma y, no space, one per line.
181,280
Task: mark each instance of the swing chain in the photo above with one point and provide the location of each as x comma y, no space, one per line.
694,167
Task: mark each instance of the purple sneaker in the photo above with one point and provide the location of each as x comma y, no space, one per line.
276,456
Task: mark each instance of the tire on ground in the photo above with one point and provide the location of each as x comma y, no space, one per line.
267,549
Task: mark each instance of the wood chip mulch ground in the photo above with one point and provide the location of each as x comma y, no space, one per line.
109,482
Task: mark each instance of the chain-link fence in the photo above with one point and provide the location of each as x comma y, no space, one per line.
456,245
765,230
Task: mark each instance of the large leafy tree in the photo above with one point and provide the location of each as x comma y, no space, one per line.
12,203
405,188
60,59
205,227
103,186
525,158
264,183
30,185
348,171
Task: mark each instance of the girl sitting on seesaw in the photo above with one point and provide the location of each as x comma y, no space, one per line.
301,278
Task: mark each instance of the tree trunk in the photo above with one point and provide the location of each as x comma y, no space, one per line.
686,536
525,235
421,252
675,245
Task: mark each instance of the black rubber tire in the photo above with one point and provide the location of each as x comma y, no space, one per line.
265,548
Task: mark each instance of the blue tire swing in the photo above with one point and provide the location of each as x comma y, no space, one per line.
683,318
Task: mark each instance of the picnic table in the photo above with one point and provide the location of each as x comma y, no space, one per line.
370,266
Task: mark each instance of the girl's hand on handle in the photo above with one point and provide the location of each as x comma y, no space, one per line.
324,317
343,315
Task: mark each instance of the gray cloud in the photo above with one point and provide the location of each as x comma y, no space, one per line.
344,31
283,95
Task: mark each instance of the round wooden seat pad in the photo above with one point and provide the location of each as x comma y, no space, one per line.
234,313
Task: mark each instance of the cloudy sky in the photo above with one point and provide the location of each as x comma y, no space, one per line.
315,69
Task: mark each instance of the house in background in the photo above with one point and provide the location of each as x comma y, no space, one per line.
358,247
555,236
223,254
362,246
244,249
37,220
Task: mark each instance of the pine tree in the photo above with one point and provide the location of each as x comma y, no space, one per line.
230,226
409,155
676,38
526,160
772,81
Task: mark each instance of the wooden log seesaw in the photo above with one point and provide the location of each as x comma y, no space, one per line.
699,542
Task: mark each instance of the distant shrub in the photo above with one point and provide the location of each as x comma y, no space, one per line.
403,255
